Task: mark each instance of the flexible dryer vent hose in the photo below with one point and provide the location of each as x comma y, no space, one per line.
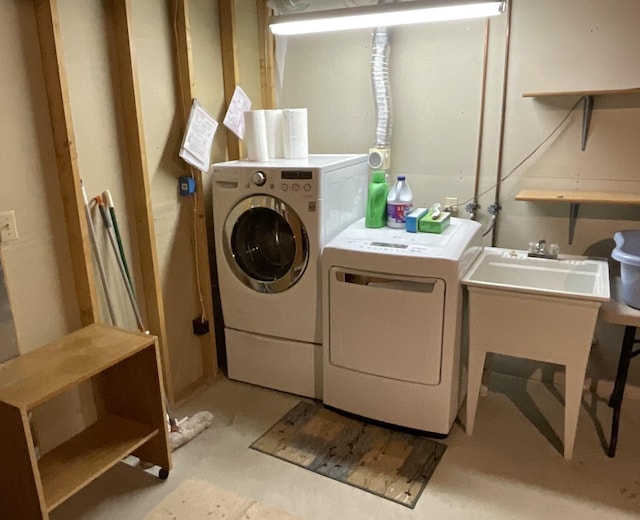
381,87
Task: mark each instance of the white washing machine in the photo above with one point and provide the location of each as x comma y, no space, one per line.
271,220
392,316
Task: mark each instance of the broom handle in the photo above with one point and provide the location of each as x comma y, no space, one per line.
114,245
106,195
96,250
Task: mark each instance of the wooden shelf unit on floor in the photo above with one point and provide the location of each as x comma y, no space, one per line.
125,366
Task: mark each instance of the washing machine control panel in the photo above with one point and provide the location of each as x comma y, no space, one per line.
286,181
296,180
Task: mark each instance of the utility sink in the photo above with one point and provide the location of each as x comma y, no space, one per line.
568,276
536,308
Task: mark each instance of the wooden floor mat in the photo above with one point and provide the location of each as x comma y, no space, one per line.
392,464
197,500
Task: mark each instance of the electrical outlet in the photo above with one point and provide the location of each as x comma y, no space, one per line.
8,229
451,205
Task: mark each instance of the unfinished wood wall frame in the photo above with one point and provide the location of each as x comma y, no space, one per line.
265,40
186,91
140,188
66,157
227,13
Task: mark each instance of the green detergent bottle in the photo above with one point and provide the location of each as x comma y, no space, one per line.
376,216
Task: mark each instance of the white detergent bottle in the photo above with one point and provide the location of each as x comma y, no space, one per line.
399,203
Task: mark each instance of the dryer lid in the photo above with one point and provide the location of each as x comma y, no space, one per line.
451,244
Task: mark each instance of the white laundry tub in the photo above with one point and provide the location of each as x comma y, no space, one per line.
574,277
535,308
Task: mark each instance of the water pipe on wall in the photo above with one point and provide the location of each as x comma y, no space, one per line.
496,204
472,207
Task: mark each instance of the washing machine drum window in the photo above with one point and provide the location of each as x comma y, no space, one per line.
266,244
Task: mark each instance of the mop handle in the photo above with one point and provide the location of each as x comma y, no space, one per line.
106,195
105,216
109,227
94,243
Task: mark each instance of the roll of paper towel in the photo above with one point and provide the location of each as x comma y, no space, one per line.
255,135
296,143
275,143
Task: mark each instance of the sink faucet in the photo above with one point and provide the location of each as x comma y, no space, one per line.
539,249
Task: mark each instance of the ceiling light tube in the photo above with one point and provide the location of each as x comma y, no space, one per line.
399,13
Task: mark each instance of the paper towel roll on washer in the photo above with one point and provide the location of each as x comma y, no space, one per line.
276,134
275,130
255,135
295,133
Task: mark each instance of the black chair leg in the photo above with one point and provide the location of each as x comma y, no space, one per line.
615,401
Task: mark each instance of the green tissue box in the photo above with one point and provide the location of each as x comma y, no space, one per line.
428,224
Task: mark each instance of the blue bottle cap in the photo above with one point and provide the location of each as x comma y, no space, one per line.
401,177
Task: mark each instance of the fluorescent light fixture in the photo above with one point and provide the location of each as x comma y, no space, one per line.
398,13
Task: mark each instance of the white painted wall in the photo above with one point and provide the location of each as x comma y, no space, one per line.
435,71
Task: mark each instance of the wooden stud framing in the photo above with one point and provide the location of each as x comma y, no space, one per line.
139,178
66,158
265,41
186,88
227,13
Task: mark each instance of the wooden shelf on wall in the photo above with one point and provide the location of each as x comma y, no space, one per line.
575,198
588,103
593,197
579,93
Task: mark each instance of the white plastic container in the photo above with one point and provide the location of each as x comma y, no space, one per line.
399,203
627,252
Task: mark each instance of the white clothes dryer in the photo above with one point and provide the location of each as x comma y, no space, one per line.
271,221
392,315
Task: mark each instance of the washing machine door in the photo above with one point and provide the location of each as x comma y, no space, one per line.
265,244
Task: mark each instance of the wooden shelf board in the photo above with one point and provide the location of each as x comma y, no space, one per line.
37,376
81,459
577,197
611,92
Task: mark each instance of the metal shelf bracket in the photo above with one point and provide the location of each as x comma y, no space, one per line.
573,217
587,109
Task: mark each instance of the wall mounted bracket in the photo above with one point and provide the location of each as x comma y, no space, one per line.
575,198
588,97
573,217
587,109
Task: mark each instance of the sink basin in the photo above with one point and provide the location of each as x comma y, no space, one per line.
571,276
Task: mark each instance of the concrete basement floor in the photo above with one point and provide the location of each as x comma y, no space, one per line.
511,468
